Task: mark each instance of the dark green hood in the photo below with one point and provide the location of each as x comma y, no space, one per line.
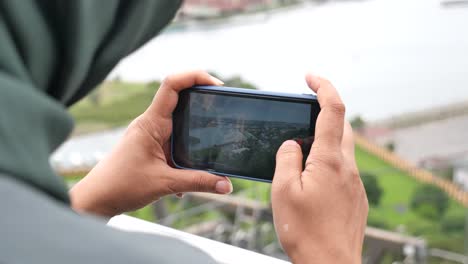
52,53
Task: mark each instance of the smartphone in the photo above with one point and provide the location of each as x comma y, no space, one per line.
236,132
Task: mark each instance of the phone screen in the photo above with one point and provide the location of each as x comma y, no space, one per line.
239,135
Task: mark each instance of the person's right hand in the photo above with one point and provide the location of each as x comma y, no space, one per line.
320,211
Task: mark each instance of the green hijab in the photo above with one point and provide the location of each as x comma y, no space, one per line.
52,53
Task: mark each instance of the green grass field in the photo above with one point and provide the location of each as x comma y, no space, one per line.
114,104
117,103
394,212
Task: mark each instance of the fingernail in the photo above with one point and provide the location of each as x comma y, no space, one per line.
217,81
223,187
313,81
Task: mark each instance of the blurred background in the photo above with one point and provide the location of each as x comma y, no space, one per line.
401,67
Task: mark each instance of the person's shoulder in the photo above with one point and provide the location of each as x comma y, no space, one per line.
40,229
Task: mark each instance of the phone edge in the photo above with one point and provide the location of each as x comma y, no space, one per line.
271,94
235,90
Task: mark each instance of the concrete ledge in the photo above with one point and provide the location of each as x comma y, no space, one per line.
223,253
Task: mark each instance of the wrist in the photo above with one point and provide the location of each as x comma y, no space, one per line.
83,201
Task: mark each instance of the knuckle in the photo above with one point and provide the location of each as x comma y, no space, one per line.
354,172
325,81
338,108
199,182
353,180
172,187
285,189
168,80
199,72
332,162
279,190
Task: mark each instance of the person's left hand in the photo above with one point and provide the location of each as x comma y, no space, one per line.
137,172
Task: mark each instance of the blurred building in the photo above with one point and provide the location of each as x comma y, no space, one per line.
213,8
434,139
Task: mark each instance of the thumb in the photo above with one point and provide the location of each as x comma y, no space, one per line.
288,163
198,181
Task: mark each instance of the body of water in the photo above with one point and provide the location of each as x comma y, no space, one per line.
384,56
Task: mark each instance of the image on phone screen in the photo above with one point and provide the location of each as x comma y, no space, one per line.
240,135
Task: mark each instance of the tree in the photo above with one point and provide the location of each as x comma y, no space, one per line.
378,221
117,79
390,146
153,85
234,81
373,189
357,123
96,96
237,81
429,201
453,222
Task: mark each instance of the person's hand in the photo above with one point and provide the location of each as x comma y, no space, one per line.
137,172
320,211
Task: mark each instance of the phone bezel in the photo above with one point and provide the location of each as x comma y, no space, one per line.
250,93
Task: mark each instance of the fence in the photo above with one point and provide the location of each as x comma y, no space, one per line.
425,176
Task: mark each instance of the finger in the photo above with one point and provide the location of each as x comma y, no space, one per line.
288,164
329,127
347,144
198,181
166,98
